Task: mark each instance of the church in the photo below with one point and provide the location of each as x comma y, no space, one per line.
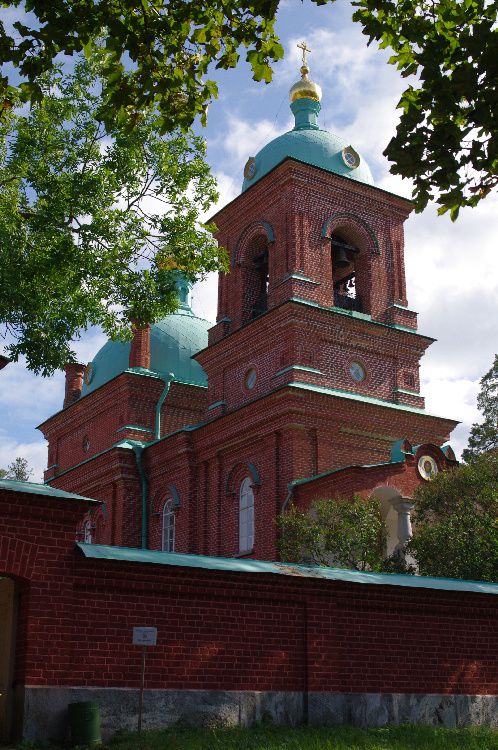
173,456
195,438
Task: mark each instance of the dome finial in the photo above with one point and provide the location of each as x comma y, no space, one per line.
304,47
305,88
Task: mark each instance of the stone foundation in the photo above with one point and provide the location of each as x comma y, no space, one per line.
45,709
380,709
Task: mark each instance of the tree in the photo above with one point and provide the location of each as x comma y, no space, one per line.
345,533
456,522
484,437
94,225
447,138
158,50
19,470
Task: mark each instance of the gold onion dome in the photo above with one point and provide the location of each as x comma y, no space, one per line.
305,88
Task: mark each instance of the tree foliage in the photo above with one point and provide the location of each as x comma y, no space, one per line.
456,522
484,436
344,533
160,52
94,223
447,137
18,469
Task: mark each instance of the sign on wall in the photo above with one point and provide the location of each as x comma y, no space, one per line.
144,636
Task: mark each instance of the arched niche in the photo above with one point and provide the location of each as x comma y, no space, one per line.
252,260
352,244
252,230
237,474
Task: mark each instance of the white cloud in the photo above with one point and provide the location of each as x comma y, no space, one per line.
205,297
243,139
24,396
26,400
454,398
35,453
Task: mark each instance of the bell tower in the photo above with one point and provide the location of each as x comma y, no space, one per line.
316,293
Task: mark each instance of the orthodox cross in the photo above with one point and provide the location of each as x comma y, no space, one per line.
302,46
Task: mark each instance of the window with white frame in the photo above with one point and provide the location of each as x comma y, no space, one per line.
168,535
87,532
246,516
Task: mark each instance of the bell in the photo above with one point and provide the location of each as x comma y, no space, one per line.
340,258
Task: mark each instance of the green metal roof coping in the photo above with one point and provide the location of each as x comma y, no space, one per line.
128,444
366,399
136,427
302,368
140,371
401,307
187,428
299,277
359,316
215,405
245,565
306,480
32,488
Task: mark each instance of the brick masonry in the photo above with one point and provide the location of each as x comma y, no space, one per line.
275,422
227,631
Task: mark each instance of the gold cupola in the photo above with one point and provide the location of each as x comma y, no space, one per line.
305,88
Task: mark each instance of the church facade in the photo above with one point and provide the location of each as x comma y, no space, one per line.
195,438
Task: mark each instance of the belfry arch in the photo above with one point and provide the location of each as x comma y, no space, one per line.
252,257
352,243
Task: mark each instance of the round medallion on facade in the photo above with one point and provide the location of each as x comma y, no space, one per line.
357,372
250,168
350,157
88,374
250,379
427,467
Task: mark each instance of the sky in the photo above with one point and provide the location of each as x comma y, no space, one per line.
451,268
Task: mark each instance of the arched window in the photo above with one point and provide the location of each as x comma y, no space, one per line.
246,516
87,532
168,535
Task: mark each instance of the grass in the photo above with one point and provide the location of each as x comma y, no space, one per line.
264,737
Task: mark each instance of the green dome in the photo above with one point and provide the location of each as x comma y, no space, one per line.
307,143
173,341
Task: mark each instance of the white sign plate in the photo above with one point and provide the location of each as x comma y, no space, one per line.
144,636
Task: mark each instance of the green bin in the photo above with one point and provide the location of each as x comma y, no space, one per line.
84,723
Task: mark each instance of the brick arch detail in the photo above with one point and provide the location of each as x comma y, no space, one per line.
169,492
237,473
361,230
98,519
18,558
252,230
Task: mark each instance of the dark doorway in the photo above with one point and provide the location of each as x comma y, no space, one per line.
8,627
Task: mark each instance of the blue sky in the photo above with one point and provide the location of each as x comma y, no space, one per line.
452,269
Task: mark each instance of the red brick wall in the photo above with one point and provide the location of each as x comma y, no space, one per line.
226,630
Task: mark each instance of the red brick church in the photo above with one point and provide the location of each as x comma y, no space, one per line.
173,456
196,437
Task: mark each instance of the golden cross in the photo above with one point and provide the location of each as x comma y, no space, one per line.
305,49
